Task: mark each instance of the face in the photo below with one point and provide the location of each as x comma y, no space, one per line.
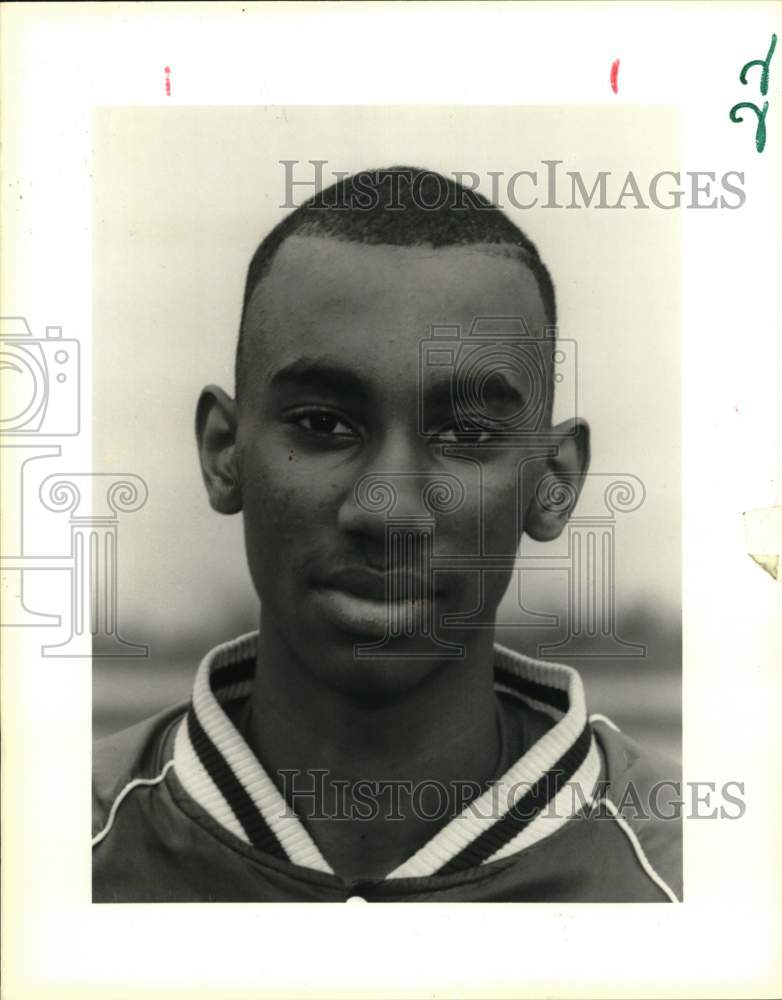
369,481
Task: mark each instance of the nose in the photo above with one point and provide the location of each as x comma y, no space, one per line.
391,487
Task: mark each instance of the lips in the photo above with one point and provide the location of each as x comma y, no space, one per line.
378,586
370,603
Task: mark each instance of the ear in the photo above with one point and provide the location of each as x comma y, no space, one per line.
559,486
216,422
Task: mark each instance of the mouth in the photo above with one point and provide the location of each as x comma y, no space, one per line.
370,603
378,586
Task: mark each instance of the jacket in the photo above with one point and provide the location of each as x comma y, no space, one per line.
184,812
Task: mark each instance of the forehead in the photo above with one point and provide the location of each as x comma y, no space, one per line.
371,306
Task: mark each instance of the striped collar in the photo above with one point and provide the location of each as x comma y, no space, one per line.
547,786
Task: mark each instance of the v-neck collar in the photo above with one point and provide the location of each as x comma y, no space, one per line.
548,785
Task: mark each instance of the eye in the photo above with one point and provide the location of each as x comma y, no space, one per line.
323,423
463,432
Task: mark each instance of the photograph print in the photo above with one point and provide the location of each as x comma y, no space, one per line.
398,617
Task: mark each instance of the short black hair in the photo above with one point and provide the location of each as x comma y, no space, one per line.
398,206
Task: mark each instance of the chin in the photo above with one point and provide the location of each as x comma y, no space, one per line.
375,678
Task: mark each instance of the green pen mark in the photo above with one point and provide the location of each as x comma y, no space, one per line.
765,64
760,131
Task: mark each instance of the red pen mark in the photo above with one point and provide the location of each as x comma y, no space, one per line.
614,75
168,81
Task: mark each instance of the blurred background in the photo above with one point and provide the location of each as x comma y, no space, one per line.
182,198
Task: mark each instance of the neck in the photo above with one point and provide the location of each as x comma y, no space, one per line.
443,732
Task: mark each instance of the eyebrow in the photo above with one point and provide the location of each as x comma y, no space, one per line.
331,376
321,373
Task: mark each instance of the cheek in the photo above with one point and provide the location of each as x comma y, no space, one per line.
488,520
280,511
501,511
282,498
503,506
501,534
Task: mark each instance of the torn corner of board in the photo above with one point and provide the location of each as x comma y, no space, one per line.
763,532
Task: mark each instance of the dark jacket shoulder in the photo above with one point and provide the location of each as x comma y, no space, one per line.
134,753
645,791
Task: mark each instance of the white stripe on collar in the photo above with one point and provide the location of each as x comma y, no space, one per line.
289,831
458,834
481,814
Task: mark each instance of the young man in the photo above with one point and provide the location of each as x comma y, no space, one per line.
389,442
